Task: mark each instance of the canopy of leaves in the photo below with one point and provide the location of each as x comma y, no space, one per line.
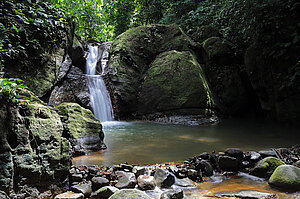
28,29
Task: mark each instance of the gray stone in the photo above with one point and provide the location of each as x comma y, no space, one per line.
185,182
85,189
172,194
129,194
163,178
98,182
104,192
70,195
125,180
146,182
137,170
76,177
228,163
248,195
267,153
286,177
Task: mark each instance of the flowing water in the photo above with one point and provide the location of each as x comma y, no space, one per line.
150,143
100,99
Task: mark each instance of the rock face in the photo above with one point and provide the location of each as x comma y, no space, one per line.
152,69
286,177
33,149
265,167
82,127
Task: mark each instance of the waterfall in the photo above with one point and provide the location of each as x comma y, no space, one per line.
100,99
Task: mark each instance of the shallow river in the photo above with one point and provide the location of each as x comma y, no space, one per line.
149,143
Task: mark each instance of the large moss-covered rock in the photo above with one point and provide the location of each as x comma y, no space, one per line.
287,177
33,150
82,127
175,82
130,57
265,167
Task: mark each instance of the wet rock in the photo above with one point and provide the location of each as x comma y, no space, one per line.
125,180
228,163
235,152
76,177
286,177
137,170
172,194
84,188
252,157
98,182
205,167
70,195
104,192
129,194
73,89
204,156
185,182
192,174
126,167
267,153
146,182
297,164
163,178
248,195
265,167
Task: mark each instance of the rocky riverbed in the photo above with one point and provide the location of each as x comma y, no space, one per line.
278,167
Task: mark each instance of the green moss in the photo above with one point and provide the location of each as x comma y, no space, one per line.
78,120
286,176
265,167
175,81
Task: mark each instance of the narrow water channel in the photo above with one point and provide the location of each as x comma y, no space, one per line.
149,143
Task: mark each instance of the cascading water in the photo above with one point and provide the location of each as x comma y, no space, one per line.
100,99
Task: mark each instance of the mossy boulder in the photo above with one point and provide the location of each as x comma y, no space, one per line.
129,194
175,82
33,149
130,57
265,167
81,126
286,177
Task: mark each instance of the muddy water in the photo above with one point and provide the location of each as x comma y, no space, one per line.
150,143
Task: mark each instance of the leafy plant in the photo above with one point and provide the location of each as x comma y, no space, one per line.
12,87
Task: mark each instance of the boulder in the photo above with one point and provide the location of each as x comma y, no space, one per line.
104,192
175,81
205,167
98,182
228,163
265,167
82,126
267,153
172,194
164,178
146,182
84,188
137,170
70,195
129,194
131,55
286,177
185,183
125,180
235,152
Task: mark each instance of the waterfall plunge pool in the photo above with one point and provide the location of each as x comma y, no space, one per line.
140,142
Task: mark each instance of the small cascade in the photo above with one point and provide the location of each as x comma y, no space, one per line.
100,99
